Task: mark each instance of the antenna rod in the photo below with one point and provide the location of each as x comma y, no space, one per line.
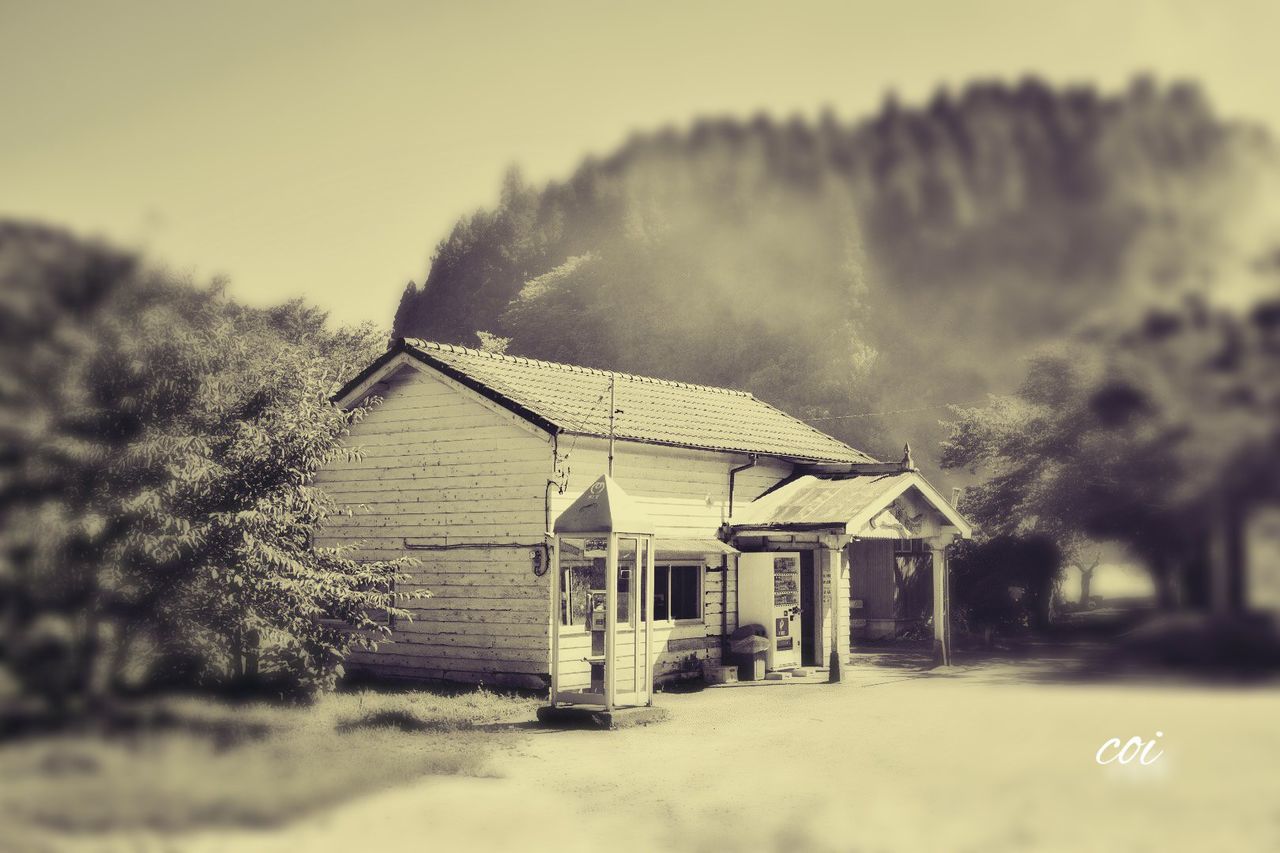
612,412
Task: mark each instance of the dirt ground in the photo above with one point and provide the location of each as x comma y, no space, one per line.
984,758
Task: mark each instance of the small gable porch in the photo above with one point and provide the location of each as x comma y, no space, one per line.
823,544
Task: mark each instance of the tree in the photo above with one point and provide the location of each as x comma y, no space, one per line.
1005,582
1086,577
1159,435
157,453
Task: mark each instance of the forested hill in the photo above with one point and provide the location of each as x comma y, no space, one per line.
835,268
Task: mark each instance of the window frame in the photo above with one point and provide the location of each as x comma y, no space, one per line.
700,569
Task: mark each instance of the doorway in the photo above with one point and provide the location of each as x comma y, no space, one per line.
810,610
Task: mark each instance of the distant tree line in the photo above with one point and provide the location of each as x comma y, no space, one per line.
851,267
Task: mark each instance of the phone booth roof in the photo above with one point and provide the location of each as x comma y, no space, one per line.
604,508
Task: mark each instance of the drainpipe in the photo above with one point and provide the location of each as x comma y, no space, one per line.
733,472
752,460
724,609
551,481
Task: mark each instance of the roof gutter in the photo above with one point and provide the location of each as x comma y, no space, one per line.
864,469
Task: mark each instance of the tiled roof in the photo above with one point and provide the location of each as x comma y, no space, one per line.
575,400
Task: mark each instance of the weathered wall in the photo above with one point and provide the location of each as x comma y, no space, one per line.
871,581
443,466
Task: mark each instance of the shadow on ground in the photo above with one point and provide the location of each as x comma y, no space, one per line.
1153,655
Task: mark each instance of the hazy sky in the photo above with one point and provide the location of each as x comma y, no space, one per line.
325,148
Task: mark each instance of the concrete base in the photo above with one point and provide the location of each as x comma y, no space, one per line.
588,717
941,654
720,674
776,676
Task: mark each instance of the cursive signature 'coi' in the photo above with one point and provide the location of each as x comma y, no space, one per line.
1135,747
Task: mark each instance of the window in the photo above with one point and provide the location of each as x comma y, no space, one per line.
677,593
582,562
626,571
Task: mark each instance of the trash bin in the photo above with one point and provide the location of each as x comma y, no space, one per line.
749,644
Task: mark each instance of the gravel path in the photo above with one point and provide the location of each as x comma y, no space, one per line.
976,760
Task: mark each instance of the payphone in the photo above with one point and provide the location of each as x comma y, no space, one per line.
596,623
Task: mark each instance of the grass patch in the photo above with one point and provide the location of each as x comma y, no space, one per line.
194,764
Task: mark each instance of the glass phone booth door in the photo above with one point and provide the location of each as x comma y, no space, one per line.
632,641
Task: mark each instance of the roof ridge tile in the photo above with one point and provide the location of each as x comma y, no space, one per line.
420,343
544,392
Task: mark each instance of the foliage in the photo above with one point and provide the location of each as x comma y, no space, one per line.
832,268
1147,434
1005,583
159,446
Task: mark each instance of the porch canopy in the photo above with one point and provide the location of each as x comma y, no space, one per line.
699,548
900,505
840,509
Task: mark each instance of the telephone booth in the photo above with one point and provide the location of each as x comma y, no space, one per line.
602,601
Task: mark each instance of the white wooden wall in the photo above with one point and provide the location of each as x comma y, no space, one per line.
443,465
686,493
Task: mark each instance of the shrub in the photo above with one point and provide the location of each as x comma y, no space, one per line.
157,457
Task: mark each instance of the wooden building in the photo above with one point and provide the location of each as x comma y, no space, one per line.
470,457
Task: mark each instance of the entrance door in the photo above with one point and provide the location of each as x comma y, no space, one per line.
810,607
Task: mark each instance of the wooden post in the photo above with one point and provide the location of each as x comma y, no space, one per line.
835,555
941,603
1225,559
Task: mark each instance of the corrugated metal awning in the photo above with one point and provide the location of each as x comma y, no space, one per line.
847,504
691,547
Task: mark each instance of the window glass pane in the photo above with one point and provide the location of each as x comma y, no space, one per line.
686,600
626,573
582,573
642,602
661,575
